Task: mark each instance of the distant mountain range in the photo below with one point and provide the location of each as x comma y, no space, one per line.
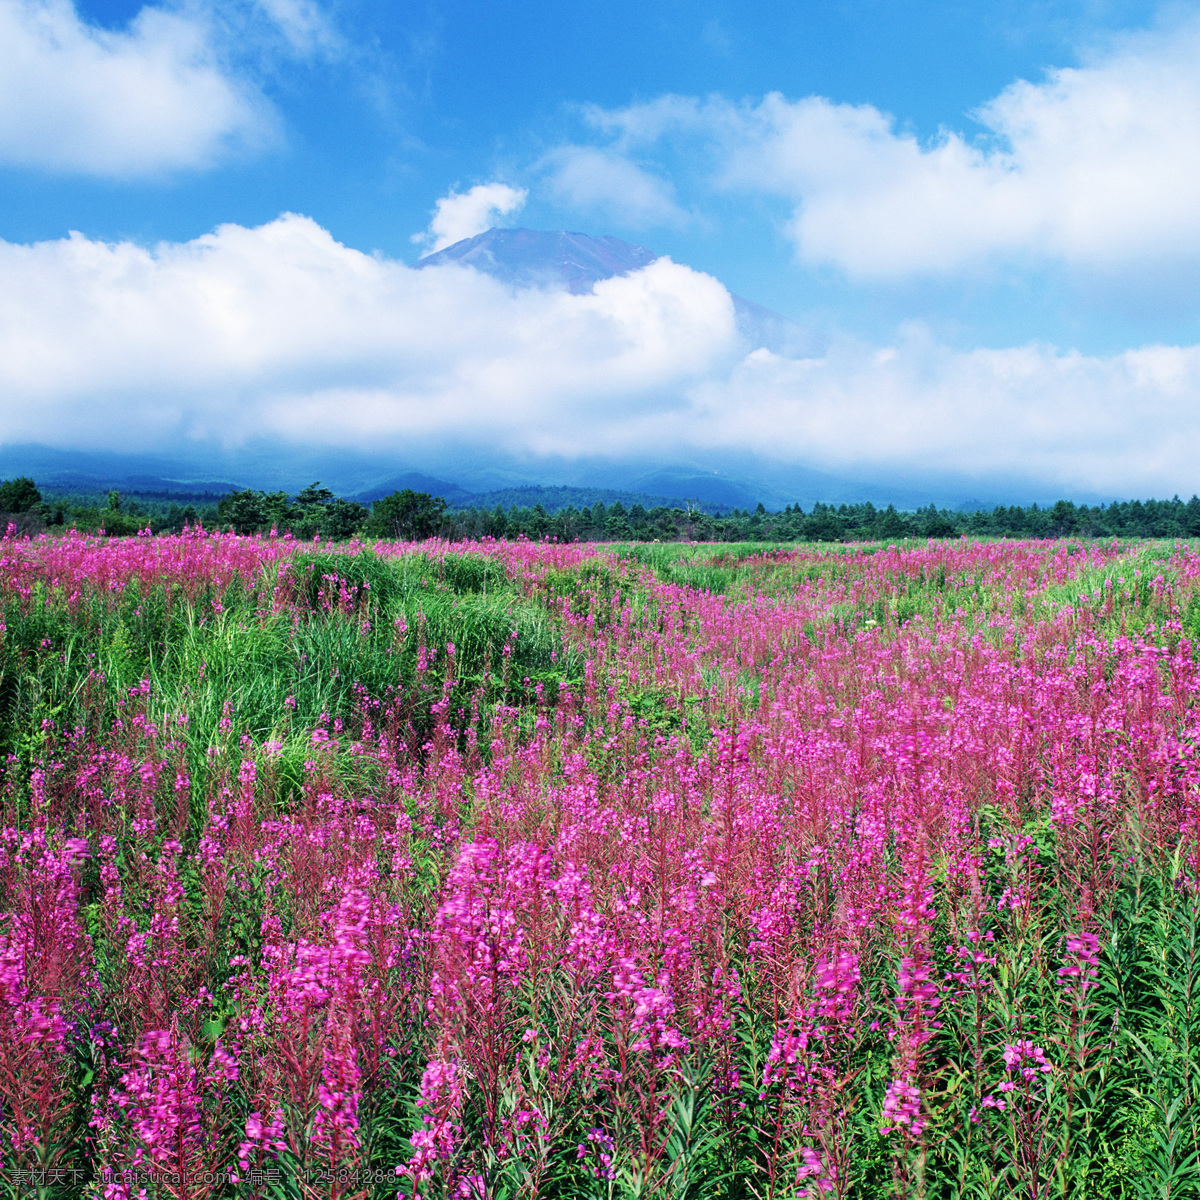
366,480
65,472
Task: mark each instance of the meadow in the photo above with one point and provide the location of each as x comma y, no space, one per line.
506,870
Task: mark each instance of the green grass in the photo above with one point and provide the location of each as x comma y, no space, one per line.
236,669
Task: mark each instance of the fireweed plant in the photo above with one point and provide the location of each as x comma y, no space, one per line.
515,870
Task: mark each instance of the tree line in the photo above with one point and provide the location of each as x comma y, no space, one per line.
832,523
408,514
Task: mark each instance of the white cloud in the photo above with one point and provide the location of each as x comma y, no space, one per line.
305,26
464,214
641,124
1127,423
152,98
281,333
1096,167
607,183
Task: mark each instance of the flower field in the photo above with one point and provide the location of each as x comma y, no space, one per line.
513,870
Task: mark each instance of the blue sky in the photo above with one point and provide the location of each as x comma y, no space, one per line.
987,218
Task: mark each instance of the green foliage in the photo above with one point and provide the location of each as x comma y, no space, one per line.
250,511
406,515
314,511
19,495
591,514
221,668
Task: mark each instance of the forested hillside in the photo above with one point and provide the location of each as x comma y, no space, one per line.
316,511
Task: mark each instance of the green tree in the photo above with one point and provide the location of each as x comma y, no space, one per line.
279,512
891,524
407,515
313,513
244,511
937,524
498,525
1191,517
250,511
314,498
1062,518
115,521
662,524
19,495
343,519
566,524
616,527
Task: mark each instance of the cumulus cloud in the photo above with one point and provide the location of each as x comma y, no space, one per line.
1093,166
609,184
148,99
464,214
282,333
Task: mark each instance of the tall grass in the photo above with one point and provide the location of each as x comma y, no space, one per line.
225,666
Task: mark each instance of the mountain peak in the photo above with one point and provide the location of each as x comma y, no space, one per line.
542,257
576,262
